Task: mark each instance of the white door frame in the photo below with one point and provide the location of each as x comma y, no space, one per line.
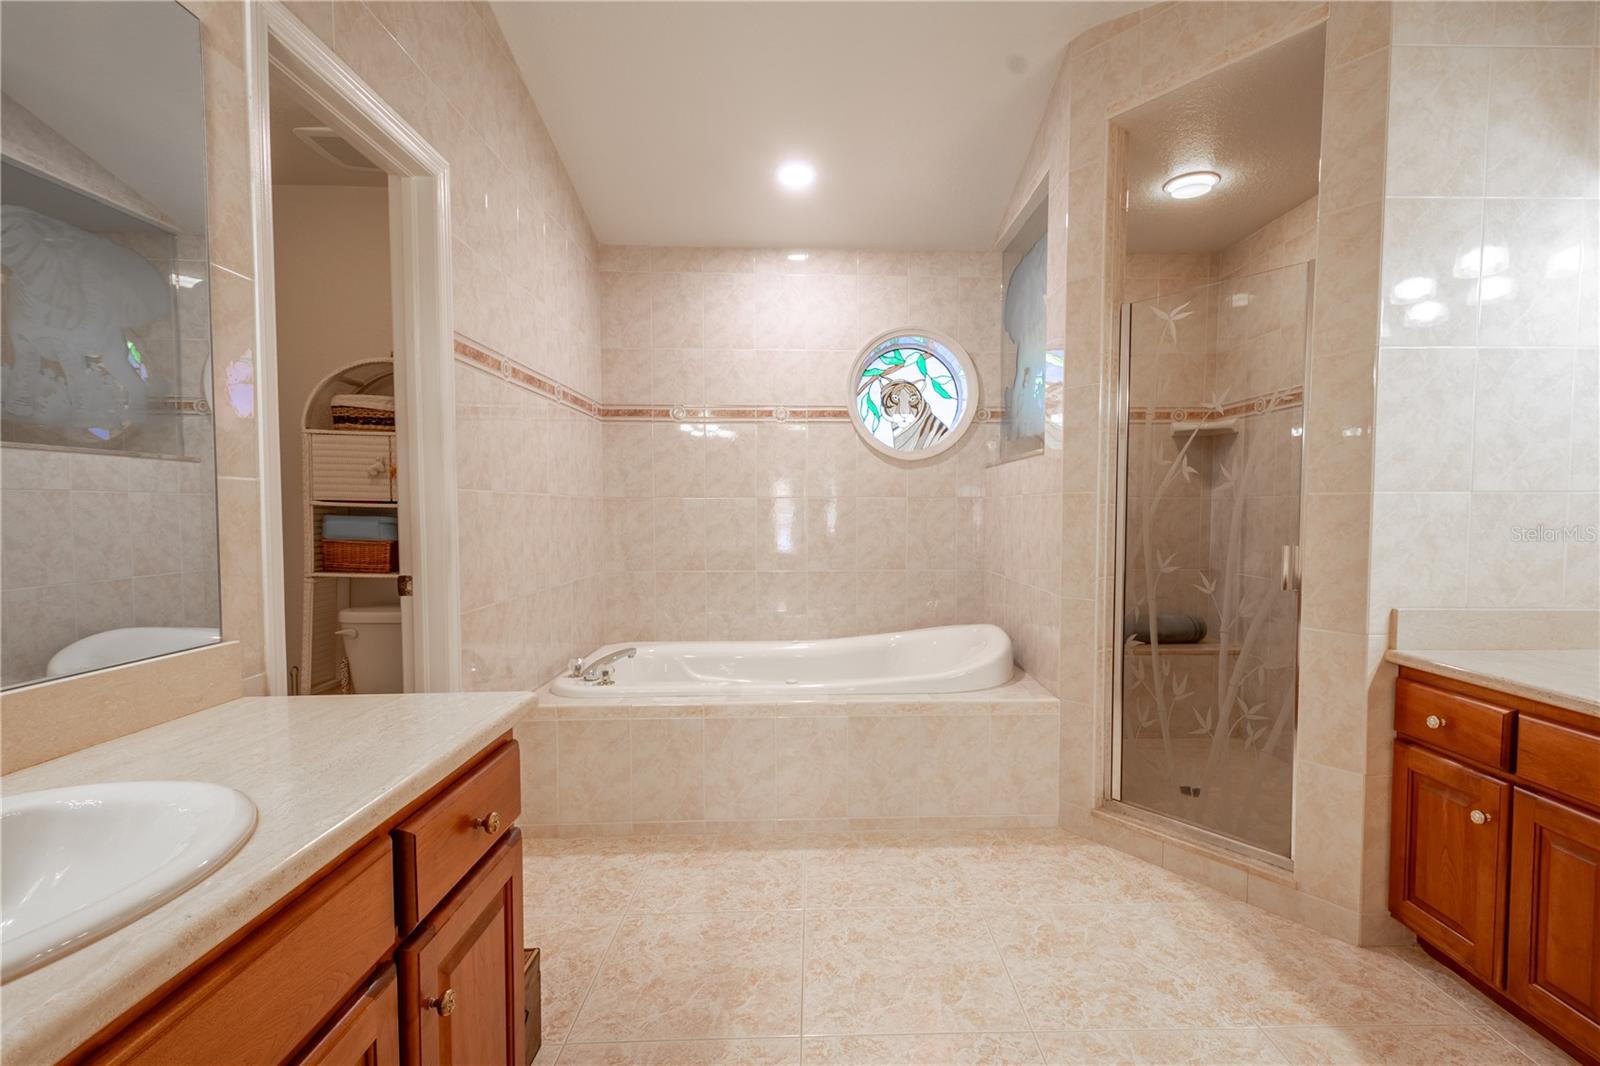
419,249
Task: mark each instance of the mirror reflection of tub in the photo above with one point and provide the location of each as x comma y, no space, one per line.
108,492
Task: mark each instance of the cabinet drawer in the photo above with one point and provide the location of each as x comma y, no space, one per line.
1454,723
436,846
264,998
352,466
1563,760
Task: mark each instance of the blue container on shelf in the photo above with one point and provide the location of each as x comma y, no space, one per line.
360,527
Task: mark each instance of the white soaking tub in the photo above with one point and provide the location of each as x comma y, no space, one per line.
941,659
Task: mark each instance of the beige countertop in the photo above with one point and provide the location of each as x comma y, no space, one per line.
323,771
1566,678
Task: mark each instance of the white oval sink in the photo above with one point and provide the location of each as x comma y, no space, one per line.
78,863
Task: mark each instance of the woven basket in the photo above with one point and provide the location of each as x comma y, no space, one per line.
361,556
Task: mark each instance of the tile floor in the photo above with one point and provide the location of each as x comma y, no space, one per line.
985,947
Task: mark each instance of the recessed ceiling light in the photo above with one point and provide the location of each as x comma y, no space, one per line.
799,257
1188,186
797,174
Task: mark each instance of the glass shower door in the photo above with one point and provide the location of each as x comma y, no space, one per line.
1208,564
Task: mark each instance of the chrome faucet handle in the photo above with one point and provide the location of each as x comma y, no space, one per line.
605,676
574,667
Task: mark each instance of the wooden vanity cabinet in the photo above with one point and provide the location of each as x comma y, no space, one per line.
1495,848
1449,840
367,1033
1554,966
408,950
463,966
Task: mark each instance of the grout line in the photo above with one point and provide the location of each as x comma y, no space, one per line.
594,978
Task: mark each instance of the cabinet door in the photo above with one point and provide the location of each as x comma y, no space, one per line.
1553,966
461,972
1447,860
367,1033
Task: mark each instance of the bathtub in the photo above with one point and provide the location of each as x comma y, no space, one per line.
112,647
941,659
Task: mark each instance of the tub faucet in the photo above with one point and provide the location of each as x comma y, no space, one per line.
599,670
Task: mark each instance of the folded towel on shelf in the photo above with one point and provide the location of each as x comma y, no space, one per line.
1170,629
357,399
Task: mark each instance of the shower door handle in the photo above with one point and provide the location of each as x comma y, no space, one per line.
1291,568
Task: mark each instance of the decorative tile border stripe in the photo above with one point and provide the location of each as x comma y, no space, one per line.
1254,405
510,370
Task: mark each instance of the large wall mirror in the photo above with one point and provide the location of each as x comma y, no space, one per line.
108,488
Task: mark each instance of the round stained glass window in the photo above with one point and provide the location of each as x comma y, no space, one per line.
914,394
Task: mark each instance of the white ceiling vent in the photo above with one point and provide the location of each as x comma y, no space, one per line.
335,149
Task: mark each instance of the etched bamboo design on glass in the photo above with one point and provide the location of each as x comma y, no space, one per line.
1212,495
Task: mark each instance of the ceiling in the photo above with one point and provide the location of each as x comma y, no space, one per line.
293,161
671,117
1258,123
69,64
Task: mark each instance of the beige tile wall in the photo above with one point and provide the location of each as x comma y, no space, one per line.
525,288
1114,67
1489,313
1503,94
531,532
908,761
523,260
1487,410
97,542
783,529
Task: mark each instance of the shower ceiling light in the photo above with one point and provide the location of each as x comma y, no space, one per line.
1188,186
796,175
799,257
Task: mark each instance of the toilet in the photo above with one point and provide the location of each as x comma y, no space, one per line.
371,638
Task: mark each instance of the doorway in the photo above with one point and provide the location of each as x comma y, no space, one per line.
336,404
328,359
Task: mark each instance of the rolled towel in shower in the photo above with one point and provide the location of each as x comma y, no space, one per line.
1170,629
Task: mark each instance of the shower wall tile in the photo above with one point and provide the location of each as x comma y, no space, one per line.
1522,425
1517,549
1343,720
1425,409
1485,449
1431,249
1543,111
1438,115
1539,264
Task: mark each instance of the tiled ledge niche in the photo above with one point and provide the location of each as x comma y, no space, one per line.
974,760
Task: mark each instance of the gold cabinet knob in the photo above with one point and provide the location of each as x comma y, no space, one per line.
1481,817
1433,721
489,823
445,1004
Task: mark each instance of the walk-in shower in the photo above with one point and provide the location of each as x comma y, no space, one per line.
1208,577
